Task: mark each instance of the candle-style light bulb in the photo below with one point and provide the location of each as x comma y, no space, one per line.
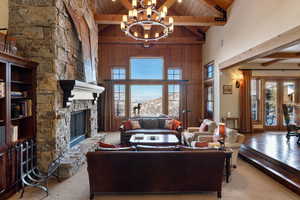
135,13
171,20
154,2
146,36
165,10
156,35
162,15
122,26
149,12
130,14
134,3
179,1
125,18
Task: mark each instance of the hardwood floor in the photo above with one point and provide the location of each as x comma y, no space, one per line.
275,145
274,155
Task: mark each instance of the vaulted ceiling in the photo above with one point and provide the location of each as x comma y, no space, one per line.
195,15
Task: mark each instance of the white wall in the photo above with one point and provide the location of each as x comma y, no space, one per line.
3,13
249,24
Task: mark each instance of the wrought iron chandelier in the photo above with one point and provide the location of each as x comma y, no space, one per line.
146,23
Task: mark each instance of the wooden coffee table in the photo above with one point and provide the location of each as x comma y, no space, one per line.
154,139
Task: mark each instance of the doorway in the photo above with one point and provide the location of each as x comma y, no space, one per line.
272,93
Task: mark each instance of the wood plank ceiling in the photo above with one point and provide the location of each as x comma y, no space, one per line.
196,16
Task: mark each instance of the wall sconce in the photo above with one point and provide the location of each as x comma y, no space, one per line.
238,78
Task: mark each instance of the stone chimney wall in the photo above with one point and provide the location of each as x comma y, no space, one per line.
46,34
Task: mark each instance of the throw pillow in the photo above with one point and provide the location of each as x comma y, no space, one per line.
127,125
201,144
135,124
105,145
176,124
169,124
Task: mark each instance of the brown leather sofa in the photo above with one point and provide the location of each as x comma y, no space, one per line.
150,125
155,171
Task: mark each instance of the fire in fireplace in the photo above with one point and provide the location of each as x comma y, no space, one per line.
78,127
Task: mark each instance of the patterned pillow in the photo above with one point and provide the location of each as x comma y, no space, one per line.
176,124
127,125
135,124
169,124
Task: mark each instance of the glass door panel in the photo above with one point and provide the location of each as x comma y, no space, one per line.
289,93
271,102
146,100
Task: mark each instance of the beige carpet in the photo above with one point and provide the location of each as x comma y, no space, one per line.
247,183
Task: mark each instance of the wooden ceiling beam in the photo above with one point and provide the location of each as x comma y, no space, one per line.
168,4
196,31
128,40
126,4
213,6
284,55
179,20
271,62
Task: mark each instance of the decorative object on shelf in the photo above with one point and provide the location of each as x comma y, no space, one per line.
2,135
15,130
227,89
7,44
146,23
2,89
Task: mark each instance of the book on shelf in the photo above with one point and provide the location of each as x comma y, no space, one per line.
14,136
2,135
19,94
2,89
21,108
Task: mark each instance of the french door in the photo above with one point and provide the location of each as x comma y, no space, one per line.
276,93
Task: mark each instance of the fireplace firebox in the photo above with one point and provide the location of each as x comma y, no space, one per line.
78,127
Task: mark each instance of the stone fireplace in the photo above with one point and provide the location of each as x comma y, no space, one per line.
47,33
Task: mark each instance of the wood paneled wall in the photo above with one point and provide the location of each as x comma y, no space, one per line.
188,57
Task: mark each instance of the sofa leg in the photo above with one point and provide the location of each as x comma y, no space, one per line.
219,195
92,196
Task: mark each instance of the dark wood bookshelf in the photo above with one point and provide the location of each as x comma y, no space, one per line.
19,75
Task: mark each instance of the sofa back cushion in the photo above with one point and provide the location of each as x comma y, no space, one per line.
150,123
135,124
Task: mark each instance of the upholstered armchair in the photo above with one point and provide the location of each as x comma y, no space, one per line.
207,128
233,140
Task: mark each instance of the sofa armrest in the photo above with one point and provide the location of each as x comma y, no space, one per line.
193,129
240,139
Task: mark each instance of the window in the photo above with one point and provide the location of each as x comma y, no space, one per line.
209,103
118,74
174,74
119,100
209,90
150,99
174,100
209,71
146,68
255,99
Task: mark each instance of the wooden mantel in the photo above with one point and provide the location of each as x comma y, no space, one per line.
78,90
